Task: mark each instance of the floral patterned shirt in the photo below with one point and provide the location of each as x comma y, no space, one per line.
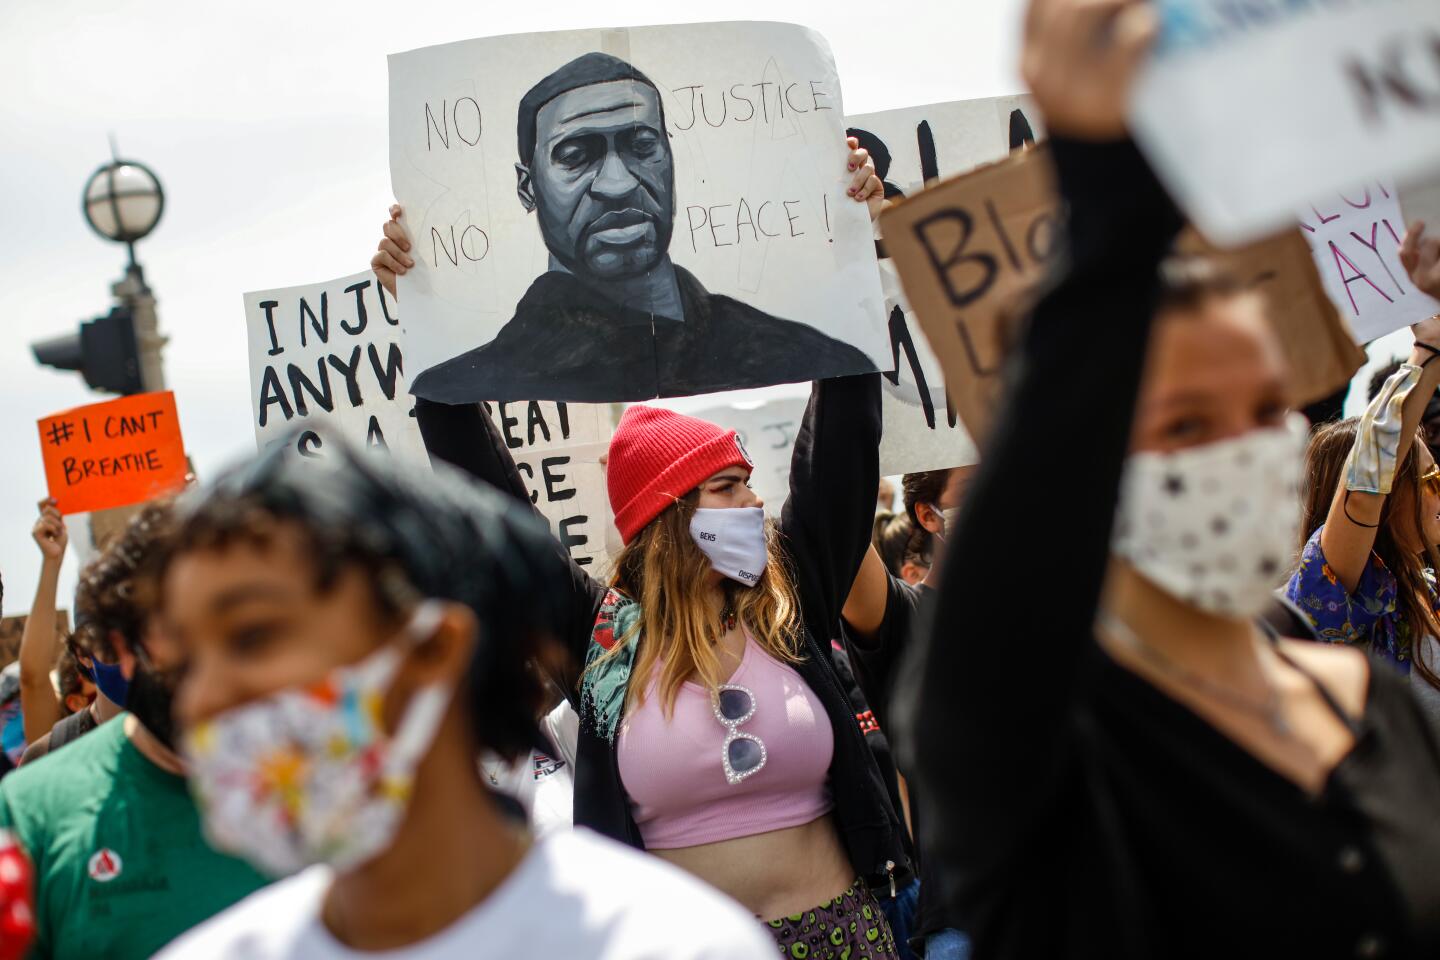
1370,616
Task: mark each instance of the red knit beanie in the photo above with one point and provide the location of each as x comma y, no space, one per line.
657,456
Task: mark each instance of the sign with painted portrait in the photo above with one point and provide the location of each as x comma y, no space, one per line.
608,215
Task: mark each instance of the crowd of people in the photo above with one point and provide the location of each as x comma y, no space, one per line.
1165,683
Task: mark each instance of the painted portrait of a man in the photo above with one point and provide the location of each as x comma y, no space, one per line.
613,317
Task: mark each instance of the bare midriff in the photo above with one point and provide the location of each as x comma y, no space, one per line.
773,874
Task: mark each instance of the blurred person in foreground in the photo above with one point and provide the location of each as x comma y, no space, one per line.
121,868
1133,751
356,637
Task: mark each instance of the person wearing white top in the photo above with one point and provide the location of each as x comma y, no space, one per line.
355,637
576,896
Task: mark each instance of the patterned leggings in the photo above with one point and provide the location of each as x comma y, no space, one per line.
850,927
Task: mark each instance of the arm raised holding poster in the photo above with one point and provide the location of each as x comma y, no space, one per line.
1420,255
628,295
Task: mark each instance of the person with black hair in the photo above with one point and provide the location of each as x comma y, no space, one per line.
613,318
1132,767
121,866
356,635
903,549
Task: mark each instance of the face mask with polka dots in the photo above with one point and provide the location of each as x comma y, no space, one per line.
1215,526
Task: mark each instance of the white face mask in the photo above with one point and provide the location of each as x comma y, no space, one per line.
309,775
734,540
1215,526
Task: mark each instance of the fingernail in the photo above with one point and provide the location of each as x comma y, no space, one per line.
852,166
852,191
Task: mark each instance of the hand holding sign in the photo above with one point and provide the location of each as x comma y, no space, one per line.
1080,60
113,454
1420,255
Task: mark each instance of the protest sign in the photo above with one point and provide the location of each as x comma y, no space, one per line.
971,250
607,215
912,146
1320,351
767,429
1249,111
113,454
1355,236
330,354
967,251
557,449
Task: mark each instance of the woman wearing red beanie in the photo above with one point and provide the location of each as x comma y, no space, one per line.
714,732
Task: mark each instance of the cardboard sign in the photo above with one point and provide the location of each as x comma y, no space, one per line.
971,250
330,353
967,251
912,146
1249,111
1355,236
1319,348
557,448
113,454
611,215
767,430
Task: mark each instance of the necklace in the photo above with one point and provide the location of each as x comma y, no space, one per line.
727,616
1269,711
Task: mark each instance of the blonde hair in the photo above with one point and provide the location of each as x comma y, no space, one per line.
664,570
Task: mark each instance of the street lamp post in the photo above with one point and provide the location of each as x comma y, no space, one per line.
123,201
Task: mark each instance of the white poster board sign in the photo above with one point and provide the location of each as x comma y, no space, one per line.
607,215
332,354
1355,236
767,429
557,449
1250,111
911,146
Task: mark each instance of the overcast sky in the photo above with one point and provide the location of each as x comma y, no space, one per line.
266,121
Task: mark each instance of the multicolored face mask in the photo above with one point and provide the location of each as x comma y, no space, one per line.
308,776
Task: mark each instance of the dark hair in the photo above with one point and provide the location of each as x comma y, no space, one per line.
1377,380
68,670
107,598
415,536
1325,458
584,71
924,487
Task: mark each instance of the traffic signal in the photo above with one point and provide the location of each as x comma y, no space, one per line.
104,352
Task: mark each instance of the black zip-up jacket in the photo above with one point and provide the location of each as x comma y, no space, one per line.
825,530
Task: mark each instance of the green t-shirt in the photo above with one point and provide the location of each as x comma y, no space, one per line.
121,868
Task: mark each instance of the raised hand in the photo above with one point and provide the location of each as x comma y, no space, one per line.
392,256
1080,59
49,532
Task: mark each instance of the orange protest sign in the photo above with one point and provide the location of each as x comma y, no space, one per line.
113,454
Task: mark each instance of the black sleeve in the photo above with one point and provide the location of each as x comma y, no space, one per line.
987,707
876,659
464,436
834,473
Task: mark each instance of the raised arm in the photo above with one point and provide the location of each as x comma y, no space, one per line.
39,703
834,472
985,718
865,605
1383,440
465,437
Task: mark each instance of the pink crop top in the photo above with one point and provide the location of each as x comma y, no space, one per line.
682,793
